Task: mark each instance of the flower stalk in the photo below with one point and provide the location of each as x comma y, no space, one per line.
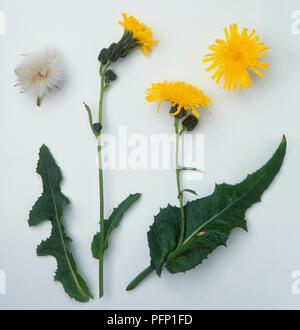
102,73
135,34
101,196
183,98
178,170
96,129
139,278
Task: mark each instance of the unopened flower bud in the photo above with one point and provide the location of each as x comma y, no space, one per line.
110,76
113,52
190,122
180,115
102,58
124,53
97,127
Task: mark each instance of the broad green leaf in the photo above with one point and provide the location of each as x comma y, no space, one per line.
163,236
113,222
209,220
50,206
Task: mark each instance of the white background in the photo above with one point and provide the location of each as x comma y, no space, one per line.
254,272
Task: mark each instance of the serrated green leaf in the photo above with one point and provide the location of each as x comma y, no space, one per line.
50,206
209,220
163,236
113,222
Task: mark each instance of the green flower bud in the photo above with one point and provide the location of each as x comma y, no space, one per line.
123,53
190,122
180,115
113,52
117,50
97,127
102,56
127,43
110,76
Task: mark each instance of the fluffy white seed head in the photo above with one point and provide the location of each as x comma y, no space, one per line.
40,72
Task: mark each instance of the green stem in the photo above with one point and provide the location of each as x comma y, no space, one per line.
102,75
38,101
140,278
190,169
174,253
180,196
182,131
101,185
150,269
101,195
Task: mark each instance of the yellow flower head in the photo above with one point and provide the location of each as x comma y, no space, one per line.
236,55
139,32
180,94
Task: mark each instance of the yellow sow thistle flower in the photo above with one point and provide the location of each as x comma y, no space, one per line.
236,55
140,32
180,94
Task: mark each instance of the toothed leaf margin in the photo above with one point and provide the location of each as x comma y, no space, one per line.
50,206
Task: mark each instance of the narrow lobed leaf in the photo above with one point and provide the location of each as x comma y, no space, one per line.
50,206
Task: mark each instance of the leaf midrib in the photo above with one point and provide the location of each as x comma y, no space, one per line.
111,227
63,242
113,220
216,215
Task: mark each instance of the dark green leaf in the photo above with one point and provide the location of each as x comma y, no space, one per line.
217,215
163,236
50,206
209,220
113,222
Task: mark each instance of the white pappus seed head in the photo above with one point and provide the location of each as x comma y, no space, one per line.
39,72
